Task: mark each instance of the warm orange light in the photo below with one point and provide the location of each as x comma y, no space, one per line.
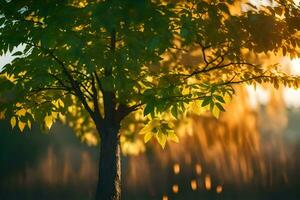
198,169
207,182
219,189
176,169
194,184
175,188
165,197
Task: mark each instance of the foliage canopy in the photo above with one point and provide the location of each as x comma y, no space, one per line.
98,61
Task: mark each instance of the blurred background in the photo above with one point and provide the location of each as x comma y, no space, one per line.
251,152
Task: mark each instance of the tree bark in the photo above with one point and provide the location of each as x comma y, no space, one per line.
109,178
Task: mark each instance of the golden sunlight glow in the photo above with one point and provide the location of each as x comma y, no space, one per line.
295,66
194,184
90,139
219,189
207,182
175,188
176,168
292,96
132,147
198,169
261,96
260,2
257,96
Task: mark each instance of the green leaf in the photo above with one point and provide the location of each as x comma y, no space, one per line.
206,101
149,108
219,98
221,108
174,111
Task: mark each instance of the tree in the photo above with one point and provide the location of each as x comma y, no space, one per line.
99,61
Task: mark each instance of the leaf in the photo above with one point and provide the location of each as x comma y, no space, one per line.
56,104
206,101
148,136
174,111
29,124
284,51
219,98
13,122
227,98
216,112
21,112
147,128
48,121
21,125
161,138
54,115
61,103
221,108
172,136
149,108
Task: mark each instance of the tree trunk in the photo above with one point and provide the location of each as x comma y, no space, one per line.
109,178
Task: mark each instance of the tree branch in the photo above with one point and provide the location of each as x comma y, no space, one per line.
99,82
60,81
75,85
96,99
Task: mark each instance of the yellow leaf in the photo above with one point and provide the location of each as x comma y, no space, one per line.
216,112
48,121
203,108
80,120
13,122
151,124
61,103
196,107
21,112
173,136
29,124
186,91
21,125
18,105
148,136
161,138
62,118
56,104
227,98
54,115
146,129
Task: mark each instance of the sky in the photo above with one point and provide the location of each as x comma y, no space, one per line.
7,57
4,59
